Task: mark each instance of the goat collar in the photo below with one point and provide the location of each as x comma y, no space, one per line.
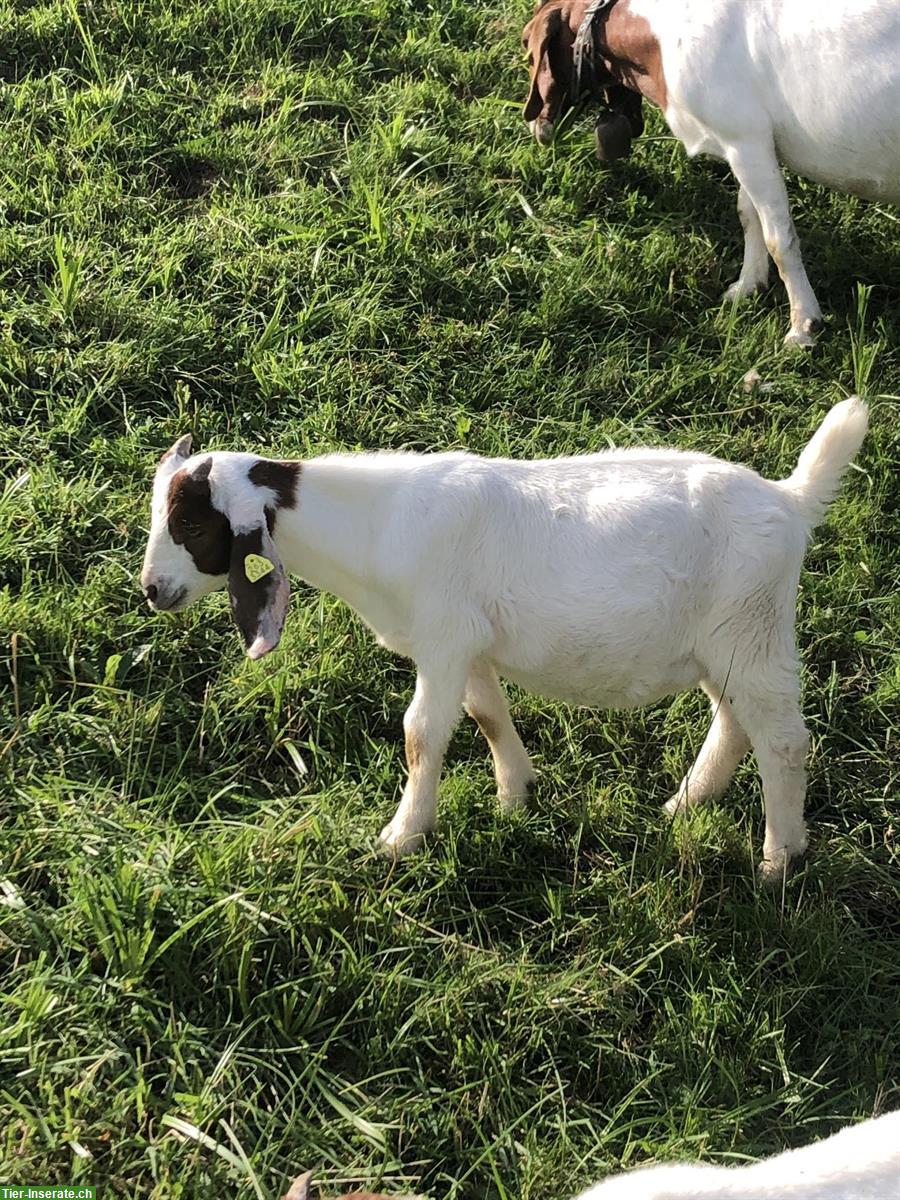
584,60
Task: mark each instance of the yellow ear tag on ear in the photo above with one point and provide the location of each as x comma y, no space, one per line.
256,567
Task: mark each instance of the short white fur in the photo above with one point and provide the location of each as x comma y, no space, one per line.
861,1162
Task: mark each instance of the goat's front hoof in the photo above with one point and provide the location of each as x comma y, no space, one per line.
518,798
743,289
675,806
773,871
803,336
396,842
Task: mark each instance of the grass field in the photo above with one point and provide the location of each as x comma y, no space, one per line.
295,227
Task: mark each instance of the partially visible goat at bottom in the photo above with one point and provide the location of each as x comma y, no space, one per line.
859,1162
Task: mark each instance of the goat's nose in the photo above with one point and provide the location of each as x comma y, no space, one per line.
150,592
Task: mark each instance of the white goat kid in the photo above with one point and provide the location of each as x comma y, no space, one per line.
609,580
813,84
861,1162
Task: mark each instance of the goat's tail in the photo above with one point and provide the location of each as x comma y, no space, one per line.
826,456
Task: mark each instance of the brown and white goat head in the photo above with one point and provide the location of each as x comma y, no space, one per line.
212,522
625,67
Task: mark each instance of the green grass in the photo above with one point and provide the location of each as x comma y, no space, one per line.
295,227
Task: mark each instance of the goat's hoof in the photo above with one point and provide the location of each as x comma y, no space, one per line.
772,872
803,336
674,806
398,843
743,289
798,340
519,798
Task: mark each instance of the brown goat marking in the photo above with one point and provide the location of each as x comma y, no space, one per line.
204,531
249,598
634,54
487,727
279,475
415,750
193,522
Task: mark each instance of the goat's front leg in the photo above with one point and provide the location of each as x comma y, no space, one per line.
754,276
486,704
757,171
428,723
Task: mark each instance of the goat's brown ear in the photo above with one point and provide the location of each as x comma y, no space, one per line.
540,32
299,1189
534,104
258,589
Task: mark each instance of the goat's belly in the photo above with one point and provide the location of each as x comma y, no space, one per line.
845,144
873,176
592,681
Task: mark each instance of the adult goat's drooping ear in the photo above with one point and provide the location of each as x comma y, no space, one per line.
258,589
537,38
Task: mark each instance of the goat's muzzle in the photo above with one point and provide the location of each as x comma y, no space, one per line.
162,599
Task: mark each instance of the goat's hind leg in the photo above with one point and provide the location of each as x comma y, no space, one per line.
725,745
486,704
774,723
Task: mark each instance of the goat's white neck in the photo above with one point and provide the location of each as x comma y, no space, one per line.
334,536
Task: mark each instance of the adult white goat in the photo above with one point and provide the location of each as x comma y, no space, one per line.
610,579
861,1162
814,84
